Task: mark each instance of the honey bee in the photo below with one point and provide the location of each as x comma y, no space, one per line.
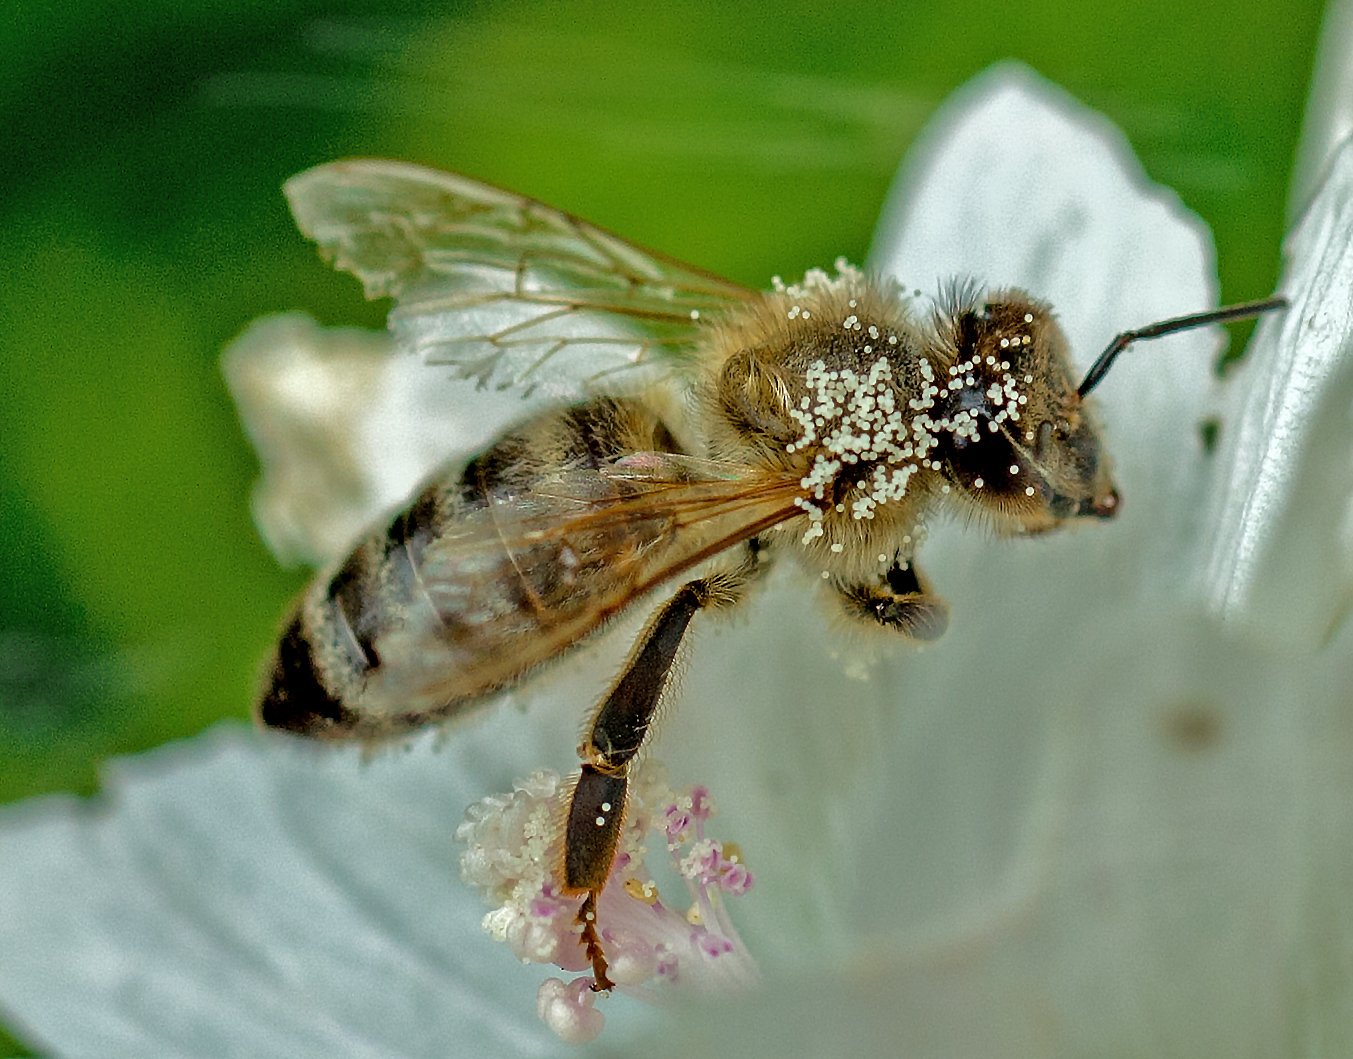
825,420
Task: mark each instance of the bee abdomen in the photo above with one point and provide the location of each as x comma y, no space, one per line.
328,652
434,613
296,698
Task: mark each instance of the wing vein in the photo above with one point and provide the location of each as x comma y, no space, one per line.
471,265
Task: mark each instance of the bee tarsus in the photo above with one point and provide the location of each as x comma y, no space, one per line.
591,941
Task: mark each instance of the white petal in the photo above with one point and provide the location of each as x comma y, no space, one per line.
1282,555
244,895
1157,865
345,429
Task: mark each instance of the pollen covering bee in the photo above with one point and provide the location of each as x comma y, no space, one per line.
825,420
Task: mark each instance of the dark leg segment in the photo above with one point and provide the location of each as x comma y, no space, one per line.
596,813
900,600
619,728
594,818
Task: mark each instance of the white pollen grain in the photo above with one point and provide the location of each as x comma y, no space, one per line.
1014,468
1028,490
978,483
1028,318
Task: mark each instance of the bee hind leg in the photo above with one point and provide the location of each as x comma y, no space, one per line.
900,600
617,732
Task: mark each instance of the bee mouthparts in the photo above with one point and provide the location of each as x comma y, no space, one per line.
1104,506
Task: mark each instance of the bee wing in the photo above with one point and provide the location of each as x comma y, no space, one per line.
540,571
500,287
678,511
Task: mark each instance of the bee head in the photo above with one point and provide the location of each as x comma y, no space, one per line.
1014,439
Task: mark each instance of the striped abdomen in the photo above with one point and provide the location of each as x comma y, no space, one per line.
486,575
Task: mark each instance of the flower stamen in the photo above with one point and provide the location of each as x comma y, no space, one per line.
625,935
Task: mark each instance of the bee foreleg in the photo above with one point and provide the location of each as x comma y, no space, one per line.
900,600
615,736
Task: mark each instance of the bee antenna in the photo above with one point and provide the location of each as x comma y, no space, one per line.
1226,314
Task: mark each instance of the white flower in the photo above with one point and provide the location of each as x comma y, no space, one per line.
1111,812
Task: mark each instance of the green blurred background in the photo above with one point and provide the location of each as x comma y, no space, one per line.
143,227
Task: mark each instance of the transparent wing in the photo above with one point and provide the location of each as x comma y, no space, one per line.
692,507
582,546
502,288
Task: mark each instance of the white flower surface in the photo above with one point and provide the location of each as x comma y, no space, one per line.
1109,813
344,429
1282,551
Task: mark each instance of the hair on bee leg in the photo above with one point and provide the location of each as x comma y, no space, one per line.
900,600
728,588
